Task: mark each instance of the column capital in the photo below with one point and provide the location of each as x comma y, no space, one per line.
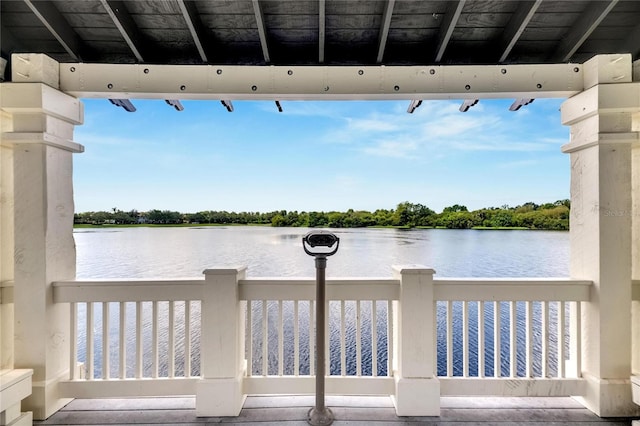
35,68
40,115
34,98
605,114
601,99
603,69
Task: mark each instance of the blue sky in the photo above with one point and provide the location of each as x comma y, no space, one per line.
318,156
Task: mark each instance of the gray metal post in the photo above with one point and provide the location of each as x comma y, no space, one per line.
320,415
328,243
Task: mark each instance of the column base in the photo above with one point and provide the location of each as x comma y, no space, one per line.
45,399
417,397
609,397
219,397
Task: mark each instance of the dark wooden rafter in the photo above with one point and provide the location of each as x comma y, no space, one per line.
129,31
124,22
322,29
58,26
196,28
384,29
516,26
252,31
454,9
257,9
586,23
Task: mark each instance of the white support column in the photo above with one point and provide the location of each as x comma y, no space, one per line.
602,136
220,392
635,248
6,249
417,389
38,136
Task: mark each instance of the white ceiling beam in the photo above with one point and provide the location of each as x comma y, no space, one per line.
320,82
586,23
257,10
384,29
123,21
454,9
53,20
322,29
517,24
197,30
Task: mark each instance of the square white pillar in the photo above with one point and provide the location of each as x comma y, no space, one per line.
417,389
220,392
602,136
635,253
40,122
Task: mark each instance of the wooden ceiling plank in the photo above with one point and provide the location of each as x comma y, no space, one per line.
197,30
257,10
517,25
53,20
454,9
384,29
582,29
10,43
632,42
123,21
322,29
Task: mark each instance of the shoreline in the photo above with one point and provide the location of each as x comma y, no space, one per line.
199,225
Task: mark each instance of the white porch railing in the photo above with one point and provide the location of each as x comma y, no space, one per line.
518,337
521,337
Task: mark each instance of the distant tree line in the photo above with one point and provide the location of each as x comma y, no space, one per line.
550,216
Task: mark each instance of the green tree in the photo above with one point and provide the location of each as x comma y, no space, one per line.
455,208
278,220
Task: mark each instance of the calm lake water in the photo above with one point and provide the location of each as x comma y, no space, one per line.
186,252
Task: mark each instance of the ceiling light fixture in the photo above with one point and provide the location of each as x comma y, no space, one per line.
413,105
468,103
519,103
124,103
228,105
175,103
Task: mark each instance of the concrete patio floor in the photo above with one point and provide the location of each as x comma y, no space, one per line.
292,410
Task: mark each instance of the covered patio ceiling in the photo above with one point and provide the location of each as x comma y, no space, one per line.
286,49
320,32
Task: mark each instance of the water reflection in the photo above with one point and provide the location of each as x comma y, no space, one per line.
186,252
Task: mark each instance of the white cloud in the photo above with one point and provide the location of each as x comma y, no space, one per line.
439,128
393,149
518,164
101,139
374,124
